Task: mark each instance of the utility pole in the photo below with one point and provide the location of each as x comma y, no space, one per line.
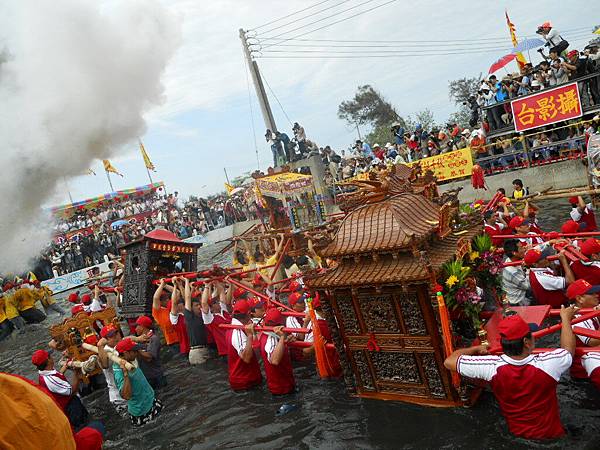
263,100
226,176
358,131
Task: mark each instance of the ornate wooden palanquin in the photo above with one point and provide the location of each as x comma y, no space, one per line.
379,300
70,334
149,258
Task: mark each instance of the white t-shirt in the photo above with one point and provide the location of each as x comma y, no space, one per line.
590,362
590,324
576,214
270,344
113,392
238,337
293,322
548,280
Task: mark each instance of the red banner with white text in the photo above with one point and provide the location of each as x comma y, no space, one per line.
548,106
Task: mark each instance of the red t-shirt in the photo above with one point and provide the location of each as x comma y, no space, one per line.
181,330
525,389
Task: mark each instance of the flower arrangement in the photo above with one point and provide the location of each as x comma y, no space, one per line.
486,263
460,291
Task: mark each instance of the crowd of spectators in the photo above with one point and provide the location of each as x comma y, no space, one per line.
558,67
92,236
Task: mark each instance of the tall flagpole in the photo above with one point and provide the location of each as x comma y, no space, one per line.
68,189
149,176
112,189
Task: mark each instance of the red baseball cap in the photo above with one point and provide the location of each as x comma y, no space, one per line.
295,297
241,307
273,317
39,357
239,293
144,321
86,299
108,331
258,280
73,297
573,200
126,345
77,309
570,226
513,328
581,287
255,302
517,221
294,286
534,255
590,246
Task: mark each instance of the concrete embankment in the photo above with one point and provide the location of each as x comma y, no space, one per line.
560,175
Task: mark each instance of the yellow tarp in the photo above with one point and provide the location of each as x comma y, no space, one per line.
447,166
284,184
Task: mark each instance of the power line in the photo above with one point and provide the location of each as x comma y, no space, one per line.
290,15
302,18
337,21
404,44
578,30
276,98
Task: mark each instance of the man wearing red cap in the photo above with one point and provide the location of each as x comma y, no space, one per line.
61,390
583,213
110,336
196,330
142,404
214,313
521,226
244,371
588,270
523,383
161,312
177,319
585,295
297,301
149,352
548,288
275,355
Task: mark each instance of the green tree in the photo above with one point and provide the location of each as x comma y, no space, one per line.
369,107
380,135
459,92
424,118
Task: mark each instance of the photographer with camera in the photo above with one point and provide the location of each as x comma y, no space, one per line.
578,66
558,72
489,89
554,40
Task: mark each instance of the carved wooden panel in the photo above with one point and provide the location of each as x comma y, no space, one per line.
411,313
364,372
347,312
402,390
378,313
396,366
432,371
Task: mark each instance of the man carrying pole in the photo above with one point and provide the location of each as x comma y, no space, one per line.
523,383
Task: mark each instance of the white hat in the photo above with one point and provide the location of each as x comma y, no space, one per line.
375,145
388,145
474,133
466,131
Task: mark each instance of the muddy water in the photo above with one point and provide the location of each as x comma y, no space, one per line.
201,412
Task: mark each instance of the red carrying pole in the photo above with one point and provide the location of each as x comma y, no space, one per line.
191,275
266,298
492,203
546,331
293,314
265,328
517,236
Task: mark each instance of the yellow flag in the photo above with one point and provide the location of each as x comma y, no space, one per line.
513,37
229,188
597,31
147,161
110,168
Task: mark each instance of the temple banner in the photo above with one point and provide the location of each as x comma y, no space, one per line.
447,166
74,279
287,183
547,107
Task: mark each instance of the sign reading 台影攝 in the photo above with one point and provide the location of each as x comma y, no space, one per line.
548,106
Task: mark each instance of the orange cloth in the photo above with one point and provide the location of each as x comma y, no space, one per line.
164,322
30,418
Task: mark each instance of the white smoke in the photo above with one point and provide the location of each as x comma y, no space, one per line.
75,80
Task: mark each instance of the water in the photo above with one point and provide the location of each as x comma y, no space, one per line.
201,412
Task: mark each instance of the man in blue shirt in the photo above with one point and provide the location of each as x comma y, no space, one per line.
142,405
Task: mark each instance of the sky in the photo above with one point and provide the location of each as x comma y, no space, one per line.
204,125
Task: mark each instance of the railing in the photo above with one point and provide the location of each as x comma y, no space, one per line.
534,156
510,127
